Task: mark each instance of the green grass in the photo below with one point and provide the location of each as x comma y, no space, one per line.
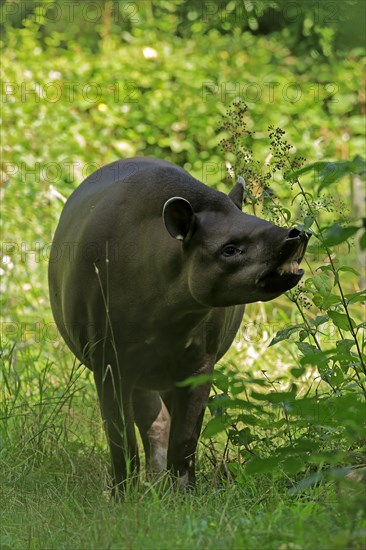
57,500
54,467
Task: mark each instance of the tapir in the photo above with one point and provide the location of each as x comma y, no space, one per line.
149,274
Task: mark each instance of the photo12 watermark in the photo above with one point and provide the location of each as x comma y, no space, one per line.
55,90
269,92
49,12
239,12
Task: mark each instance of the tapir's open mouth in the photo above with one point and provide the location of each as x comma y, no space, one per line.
288,273
290,266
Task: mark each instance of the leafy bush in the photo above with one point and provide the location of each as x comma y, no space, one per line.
317,423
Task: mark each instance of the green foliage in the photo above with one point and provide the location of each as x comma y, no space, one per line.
316,431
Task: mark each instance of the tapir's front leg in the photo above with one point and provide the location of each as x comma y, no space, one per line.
188,408
116,407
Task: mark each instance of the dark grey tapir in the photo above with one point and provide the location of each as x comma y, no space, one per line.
149,273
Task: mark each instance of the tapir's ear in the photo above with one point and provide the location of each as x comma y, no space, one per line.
237,193
178,217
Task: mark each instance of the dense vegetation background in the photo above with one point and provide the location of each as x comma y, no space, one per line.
85,83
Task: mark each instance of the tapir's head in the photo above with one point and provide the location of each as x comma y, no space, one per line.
231,257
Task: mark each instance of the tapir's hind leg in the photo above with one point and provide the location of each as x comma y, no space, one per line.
117,413
153,420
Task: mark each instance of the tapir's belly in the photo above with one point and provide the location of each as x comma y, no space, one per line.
155,365
159,359
162,371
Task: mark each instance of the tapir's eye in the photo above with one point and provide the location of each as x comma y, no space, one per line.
230,250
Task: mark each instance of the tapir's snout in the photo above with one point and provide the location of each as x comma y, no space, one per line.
294,247
287,272
294,233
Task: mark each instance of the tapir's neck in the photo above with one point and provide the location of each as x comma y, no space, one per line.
180,309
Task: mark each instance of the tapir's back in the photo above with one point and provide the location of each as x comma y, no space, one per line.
120,203
126,193
135,179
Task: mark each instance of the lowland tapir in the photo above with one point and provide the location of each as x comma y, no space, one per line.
149,272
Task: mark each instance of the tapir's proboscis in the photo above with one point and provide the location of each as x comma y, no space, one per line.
149,274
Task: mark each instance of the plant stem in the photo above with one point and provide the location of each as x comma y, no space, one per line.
354,336
343,300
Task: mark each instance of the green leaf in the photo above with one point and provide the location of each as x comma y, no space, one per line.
219,403
356,297
318,300
304,445
312,355
275,397
276,424
320,320
298,371
308,222
262,465
336,376
332,300
221,381
336,234
316,249
329,172
281,397
318,359
259,396
285,333
195,381
303,334
343,354
341,320
348,269
335,170
292,465
216,425
245,436
249,419
305,347
323,284
345,345
255,420
316,167
326,268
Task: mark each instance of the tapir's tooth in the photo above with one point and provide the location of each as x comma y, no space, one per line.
294,267
291,266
